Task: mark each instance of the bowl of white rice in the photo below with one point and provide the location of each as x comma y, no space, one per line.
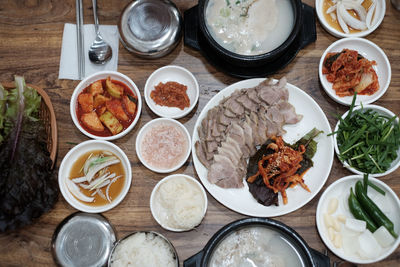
144,249
178,203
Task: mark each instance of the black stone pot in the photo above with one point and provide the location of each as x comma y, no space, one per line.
309,256
197,36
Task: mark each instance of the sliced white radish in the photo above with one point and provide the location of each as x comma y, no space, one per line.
108,187
96,183
328,220
359,9
332,206
369,248
350,247
342,24
331,233
370,14
74,189
331,9
336,224
92,172
355,225
79,179
337,242
100,193
383,237
349,19
341,218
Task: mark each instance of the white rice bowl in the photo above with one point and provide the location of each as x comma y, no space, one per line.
144,249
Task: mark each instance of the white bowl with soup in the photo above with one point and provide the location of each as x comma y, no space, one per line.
250,32
95,176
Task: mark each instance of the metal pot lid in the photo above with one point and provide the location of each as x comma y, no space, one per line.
150,28
83,239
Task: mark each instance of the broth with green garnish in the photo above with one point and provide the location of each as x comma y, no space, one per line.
114,190
250,27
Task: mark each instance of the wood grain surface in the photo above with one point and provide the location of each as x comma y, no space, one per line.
30,45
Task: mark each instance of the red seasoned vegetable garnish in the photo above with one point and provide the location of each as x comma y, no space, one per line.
350,72
171,94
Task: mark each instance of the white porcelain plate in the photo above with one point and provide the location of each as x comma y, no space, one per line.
241,200
370,51
389,204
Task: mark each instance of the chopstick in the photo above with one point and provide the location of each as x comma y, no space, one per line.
79,35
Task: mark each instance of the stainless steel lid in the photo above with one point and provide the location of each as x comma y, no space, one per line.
150,28
83,239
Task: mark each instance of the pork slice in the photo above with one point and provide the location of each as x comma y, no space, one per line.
247,103
232,148
235,158
223,119
221,128
252,94
289,112
272,93
214,127
224,174
209,155
234,106
230,143
275,115
209,136
242,167
254,127
262,129
248,136
273,128
201,155
211,146
228,113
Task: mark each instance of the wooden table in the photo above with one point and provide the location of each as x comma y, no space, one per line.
30,45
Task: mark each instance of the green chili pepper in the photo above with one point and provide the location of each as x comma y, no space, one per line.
373,210
359,213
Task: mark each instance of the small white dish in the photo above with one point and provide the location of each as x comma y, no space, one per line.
381,110
174,74
157,122
379,13
159,213
99,76
370,51
340,190
70,159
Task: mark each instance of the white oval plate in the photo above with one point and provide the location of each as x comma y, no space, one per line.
341,190
370,51
174,74
241,200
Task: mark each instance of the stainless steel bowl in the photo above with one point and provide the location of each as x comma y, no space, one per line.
150,28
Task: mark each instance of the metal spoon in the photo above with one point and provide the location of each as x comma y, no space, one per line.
99,52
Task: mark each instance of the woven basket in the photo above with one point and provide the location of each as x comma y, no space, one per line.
48,116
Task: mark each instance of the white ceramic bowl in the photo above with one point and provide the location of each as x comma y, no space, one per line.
381,110
153,123
99,76
341,190
73,155
370,51
156,210
174,74
379,12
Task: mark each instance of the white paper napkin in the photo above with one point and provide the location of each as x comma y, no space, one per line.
69,54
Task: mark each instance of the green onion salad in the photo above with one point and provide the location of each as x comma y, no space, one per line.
367,140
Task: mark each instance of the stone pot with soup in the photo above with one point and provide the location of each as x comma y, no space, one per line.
257,242
250,33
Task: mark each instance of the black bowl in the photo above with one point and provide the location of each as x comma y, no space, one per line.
309,256
250,60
